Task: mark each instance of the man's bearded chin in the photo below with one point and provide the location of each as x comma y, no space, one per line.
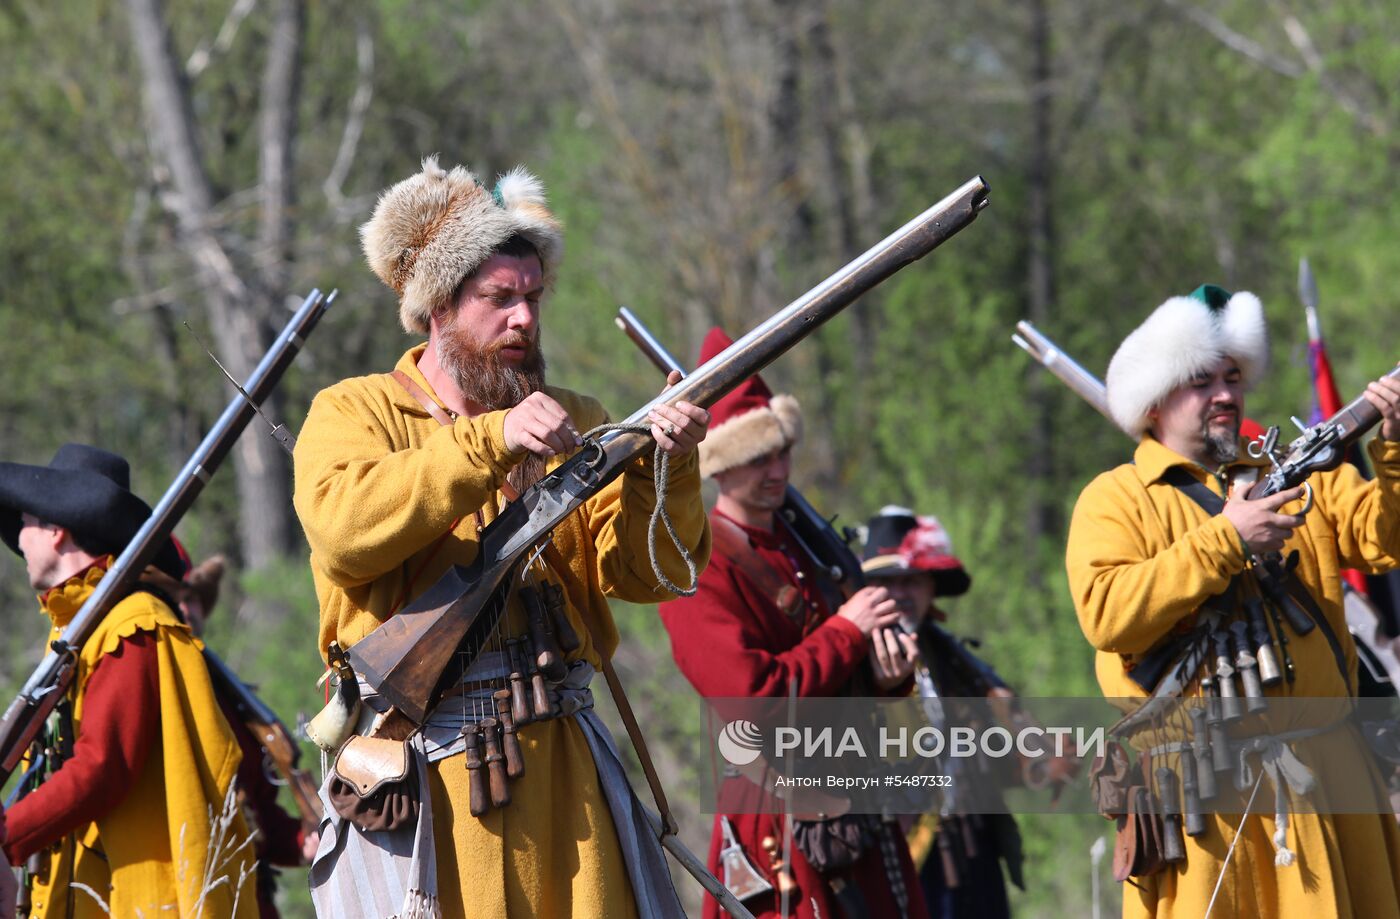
485,380
1222,445
480,374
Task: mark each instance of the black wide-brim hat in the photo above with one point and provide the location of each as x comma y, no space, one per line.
898,542
85,490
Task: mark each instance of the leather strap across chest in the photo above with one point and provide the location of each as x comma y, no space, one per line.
732,542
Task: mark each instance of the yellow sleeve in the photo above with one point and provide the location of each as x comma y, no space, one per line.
365,506
618,517
1126,598
1365,515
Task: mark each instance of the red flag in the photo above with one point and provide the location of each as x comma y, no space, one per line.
1326,403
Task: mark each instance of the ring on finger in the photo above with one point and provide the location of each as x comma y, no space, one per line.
670,430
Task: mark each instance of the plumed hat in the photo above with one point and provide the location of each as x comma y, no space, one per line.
433,229
85,490
1182,338
898,542
748,422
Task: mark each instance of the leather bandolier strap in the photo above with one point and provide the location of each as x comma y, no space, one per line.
556,561
733,543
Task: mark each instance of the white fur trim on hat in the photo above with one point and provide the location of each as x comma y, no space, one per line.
1182,338
746,437
432,229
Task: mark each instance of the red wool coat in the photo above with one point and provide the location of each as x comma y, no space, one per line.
731,640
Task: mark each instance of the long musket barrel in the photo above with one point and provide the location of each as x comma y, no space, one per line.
42,691
641,336
809,527
406,657
1089,387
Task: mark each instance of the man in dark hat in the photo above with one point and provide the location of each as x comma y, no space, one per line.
139,761
759,624
959,855
1154,542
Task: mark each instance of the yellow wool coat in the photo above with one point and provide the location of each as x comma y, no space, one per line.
1142,557
378,482
156,853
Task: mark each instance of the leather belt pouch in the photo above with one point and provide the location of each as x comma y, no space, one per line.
1137,852
374,785
1109,781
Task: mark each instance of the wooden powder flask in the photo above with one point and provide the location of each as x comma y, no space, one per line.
786,884
1246,665
1211,697
563,629
1269,672
541,707
495,762
1201,754
1194,820
515,759
1231,707
519,702
1173,846
476,772
547,654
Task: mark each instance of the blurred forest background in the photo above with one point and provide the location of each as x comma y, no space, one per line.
209,161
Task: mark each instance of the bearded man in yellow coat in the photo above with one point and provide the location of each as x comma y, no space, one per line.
1144,556
396,473
133,811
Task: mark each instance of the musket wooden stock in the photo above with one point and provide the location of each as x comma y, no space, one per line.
406,657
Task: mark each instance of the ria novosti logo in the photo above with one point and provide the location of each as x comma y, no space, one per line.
740,742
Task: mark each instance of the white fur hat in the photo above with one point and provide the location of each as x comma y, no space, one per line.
433,229
1182,338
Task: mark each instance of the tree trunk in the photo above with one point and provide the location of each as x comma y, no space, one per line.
240,303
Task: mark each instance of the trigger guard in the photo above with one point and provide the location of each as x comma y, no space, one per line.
1308,500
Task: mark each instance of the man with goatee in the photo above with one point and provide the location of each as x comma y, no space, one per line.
1161,546
396,474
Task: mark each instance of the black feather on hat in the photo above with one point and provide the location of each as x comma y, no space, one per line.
85,490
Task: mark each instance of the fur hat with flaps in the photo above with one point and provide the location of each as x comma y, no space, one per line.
748,422
1183,338
433,229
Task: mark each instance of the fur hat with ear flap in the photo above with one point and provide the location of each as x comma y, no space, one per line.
1181,339
748,422
433,229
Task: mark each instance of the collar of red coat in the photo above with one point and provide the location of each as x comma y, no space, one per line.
62,602
1152,460
760,539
